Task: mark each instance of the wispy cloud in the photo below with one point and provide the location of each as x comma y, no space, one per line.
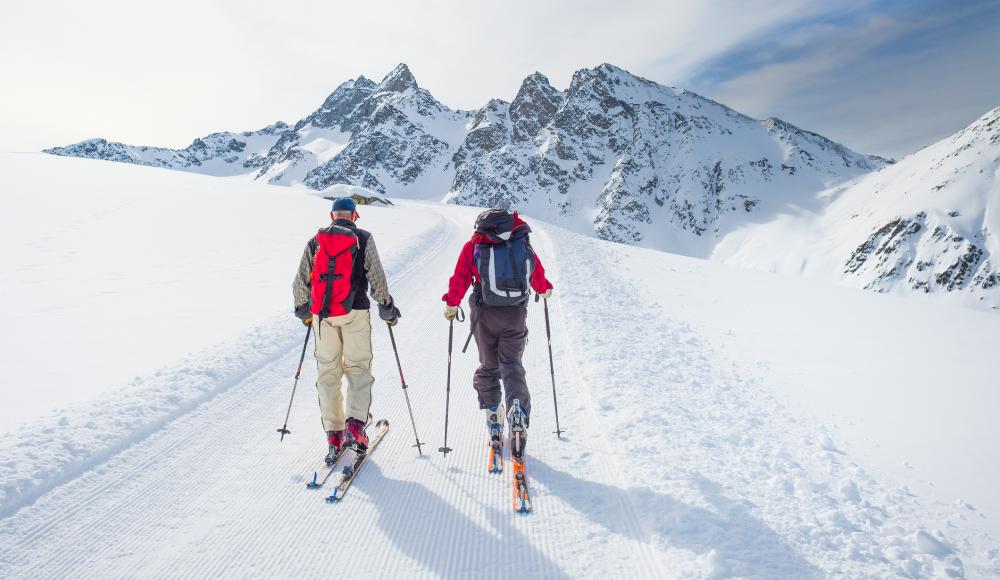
162,74
859,71
887,79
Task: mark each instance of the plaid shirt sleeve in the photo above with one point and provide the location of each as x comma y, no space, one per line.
379,286
301,284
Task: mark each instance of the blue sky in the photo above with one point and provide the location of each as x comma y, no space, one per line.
884,77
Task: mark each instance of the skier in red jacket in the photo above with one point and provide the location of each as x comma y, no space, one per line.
502,267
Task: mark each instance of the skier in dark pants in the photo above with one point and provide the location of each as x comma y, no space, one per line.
502,268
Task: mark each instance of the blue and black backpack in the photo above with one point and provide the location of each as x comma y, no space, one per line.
504,265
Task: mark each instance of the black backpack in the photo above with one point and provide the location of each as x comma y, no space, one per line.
504,266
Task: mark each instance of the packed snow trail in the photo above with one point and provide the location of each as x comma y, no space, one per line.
675,461
214,494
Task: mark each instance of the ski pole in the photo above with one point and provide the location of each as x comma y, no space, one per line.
447,400
472,330
405,393
552,368
284,430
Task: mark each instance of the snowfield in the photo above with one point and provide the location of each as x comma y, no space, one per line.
720,422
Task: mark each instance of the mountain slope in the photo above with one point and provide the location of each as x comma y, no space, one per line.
928,224
614,155
638,162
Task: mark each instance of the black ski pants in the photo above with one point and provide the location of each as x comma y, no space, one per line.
501,333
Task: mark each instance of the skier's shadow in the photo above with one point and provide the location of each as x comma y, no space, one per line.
746,545
450,544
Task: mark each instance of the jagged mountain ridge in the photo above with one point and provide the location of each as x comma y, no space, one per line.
614,154
927,224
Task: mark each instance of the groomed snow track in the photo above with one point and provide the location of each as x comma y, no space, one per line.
214,493
676,462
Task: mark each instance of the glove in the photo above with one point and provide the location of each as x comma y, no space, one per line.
389,313
303,313
450,312
547,294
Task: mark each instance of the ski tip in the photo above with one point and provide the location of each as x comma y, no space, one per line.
382,423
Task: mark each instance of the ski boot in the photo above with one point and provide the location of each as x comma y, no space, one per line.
494,426
518,421
336,441
356,436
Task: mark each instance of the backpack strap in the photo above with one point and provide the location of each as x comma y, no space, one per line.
329,277
348,303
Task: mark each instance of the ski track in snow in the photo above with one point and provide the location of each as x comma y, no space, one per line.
213,493
701,473
719,462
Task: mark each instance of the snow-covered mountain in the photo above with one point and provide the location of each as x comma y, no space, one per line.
929,223
639,162
215,154
614,154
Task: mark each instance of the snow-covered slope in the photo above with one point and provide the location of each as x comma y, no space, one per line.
614,155
928,224
686,452
135,256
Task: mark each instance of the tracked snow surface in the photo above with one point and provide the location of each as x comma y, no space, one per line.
683,457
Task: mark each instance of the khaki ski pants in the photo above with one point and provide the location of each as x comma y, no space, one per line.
344,348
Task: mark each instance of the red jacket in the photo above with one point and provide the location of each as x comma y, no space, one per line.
465,270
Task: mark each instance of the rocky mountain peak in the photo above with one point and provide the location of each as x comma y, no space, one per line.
398,80
363,82
534,106
609,79
337,111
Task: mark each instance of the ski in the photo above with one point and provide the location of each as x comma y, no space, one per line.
494,443
495,461
322,475
522,500
351,470
518,435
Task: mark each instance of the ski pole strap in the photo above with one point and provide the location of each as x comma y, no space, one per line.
461,314
472,331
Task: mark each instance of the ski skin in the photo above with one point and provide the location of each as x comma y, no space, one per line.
351,471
